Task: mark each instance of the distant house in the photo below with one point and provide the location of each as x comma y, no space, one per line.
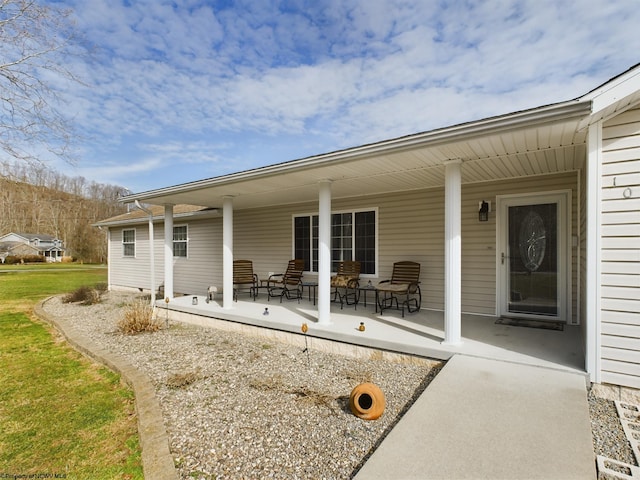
25,244
533,215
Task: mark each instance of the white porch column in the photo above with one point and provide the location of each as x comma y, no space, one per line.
453,253
152,262
168,251
109,262
324,252
227,252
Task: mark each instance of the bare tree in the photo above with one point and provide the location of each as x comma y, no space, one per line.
36,44
35,200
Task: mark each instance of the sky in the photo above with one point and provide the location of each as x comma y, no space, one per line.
183,90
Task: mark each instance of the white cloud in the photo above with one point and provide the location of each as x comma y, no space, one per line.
327,74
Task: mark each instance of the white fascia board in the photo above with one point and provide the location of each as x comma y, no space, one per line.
613,91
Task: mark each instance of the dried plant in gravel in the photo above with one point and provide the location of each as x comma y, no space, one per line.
359,376
303,393
84,295
270,383
184,379
317,398
138,317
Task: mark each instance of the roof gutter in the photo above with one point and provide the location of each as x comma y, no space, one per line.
528,118
211,213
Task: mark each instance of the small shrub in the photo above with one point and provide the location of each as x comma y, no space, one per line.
85,295
138,318
94,297
101,287
34,259
181,380
23,259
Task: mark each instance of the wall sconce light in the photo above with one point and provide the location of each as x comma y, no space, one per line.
483,212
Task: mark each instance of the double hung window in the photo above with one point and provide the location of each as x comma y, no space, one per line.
129,243
180,241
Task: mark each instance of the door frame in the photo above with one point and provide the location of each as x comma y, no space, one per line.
563,199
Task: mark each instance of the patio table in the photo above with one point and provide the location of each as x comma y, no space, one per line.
366,289
264,285
310,286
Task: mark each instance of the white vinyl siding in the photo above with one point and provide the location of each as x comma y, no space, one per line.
191,276
264,236
620,250
133,272
204,265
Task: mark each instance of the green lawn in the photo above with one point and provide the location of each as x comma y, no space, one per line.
31,283
60,414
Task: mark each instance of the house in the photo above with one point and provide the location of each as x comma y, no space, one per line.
26,244
533,215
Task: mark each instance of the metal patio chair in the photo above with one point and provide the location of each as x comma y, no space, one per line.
402,290
243,278
346,282
289,283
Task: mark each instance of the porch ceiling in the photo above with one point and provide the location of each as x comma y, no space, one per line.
549,145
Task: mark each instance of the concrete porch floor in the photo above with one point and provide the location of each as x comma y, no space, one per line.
419,333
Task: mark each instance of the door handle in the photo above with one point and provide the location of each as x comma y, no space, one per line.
503,257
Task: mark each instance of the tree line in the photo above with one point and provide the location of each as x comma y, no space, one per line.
35,199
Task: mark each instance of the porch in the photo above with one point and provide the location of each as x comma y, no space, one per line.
418,334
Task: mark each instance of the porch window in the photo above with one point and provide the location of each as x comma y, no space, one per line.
353,237
180,240
129,243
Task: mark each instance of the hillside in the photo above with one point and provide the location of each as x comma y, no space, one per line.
36,200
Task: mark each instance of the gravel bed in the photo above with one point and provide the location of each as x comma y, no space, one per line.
609,439
236,406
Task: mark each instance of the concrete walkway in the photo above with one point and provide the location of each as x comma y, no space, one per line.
489,419
478,419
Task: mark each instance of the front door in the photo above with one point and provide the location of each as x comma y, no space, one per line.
533,256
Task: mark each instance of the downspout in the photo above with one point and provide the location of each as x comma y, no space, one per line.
109,276
152,263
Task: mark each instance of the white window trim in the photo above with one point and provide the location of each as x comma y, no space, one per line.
134,243
348,210
186,242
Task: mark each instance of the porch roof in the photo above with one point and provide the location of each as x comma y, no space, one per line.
137,216
540,141
548,139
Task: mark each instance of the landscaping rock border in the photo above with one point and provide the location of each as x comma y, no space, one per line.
157,462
